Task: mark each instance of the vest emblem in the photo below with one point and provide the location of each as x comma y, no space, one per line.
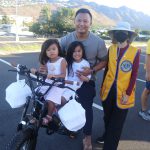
126,66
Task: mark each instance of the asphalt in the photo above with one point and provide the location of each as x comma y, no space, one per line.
135,135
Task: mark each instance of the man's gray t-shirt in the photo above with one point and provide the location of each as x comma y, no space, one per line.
95,48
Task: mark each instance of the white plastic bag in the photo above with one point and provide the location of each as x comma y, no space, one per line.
16,93
72,115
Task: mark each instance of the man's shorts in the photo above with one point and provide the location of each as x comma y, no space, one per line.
147,85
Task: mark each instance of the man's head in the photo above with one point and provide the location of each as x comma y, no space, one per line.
83,20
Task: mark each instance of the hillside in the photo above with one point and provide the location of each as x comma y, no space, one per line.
102,15
137,19
27,10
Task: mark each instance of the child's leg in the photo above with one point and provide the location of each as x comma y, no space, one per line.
48,117
51,108
144,99
66,96
63,101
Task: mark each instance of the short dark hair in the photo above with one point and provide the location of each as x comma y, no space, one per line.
83,10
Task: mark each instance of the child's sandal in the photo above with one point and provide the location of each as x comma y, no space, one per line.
47,119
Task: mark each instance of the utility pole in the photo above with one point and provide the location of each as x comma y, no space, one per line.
17,37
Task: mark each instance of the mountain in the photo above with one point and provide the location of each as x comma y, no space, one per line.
137,19
8,3
102,15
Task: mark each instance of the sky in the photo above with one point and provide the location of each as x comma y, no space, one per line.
138,5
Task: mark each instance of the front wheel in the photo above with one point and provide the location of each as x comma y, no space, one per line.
23,140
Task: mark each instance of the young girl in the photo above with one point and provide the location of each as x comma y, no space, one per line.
76,61
50,57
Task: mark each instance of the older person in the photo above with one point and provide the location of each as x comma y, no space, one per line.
118,88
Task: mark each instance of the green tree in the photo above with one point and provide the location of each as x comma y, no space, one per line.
45,15
5,20
42,25
35,28
57,22
62,20
145,32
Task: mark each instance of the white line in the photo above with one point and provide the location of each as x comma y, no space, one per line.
9,64
142,63
141,80
97,106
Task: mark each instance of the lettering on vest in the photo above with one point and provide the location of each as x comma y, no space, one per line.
126,66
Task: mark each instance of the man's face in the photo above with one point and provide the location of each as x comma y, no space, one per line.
82,23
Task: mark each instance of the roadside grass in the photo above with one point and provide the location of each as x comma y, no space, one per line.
36,46
19,47
139,43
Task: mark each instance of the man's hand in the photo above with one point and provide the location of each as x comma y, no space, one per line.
86,71
33,70
43,69
83,78
49,76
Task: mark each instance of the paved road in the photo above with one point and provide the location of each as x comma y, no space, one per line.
135,136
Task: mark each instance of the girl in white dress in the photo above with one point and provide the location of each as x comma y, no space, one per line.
50,57
76,61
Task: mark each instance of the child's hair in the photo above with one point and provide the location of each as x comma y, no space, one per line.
70,51
43,57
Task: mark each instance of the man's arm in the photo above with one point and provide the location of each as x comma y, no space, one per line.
102,56
63,45
102,64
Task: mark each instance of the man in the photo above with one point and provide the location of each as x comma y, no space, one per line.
144,98
96,54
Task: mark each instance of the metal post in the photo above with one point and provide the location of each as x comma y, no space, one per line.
17,37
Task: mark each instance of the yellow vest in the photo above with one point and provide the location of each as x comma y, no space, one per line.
123,75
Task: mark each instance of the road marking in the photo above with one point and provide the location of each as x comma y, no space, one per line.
142,63
141,80
5,62
97,106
